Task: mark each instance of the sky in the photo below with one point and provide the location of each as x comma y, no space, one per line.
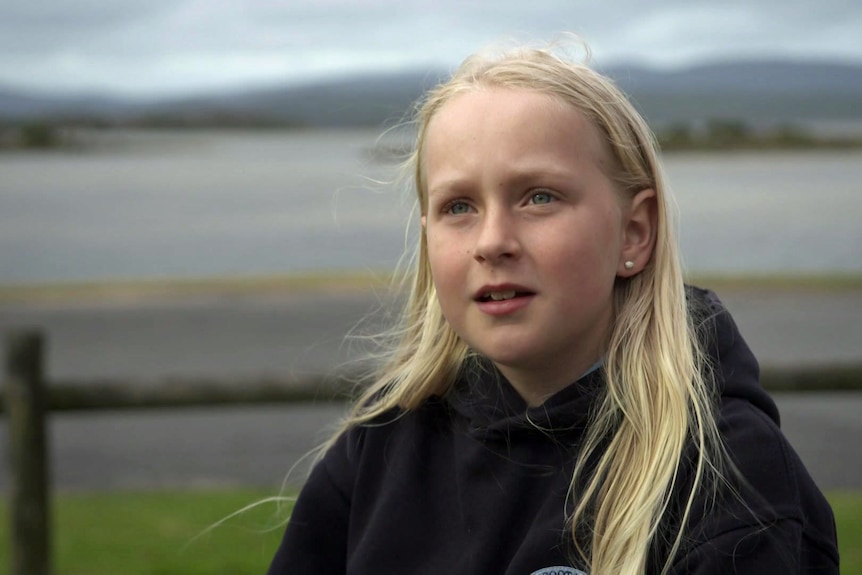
175,47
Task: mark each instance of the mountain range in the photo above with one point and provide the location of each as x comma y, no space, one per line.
752,91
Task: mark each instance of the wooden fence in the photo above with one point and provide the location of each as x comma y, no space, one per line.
27,399
29,496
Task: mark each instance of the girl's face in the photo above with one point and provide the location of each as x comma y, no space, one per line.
526,234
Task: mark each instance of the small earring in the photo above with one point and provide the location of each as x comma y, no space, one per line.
629,264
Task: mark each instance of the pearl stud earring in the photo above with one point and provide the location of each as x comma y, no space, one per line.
629,264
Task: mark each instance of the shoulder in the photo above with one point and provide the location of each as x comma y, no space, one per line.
767,507
356,468
365,451
762,460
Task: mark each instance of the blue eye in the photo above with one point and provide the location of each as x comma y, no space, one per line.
458,208
541,198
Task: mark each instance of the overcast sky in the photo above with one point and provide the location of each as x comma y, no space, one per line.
167,47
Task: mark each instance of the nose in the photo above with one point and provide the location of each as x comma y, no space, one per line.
497,239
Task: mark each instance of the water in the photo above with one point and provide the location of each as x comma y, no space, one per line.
770,212
228,203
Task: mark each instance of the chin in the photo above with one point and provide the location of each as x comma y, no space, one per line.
510,360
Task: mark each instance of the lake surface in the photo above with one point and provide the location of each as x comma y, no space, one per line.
217,203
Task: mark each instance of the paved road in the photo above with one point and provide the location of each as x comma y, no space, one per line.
249,336
258,446
213,336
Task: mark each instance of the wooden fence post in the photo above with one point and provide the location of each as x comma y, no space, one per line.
29,493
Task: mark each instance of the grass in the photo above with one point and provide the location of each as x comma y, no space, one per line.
133,290
160,533
847,506
824,282
166,533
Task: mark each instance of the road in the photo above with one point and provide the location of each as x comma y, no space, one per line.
234,336
259,446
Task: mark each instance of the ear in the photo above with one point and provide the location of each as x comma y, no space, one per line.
423,220
639,233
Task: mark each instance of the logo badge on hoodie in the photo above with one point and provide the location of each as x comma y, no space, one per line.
558,570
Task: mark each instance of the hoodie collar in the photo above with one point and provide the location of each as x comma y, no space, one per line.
487,400
491,406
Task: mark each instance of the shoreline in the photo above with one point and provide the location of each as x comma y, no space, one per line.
143,290
718,135
343,283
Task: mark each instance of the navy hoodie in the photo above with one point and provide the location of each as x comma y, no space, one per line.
475,483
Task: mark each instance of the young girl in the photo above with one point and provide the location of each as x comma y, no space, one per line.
557,401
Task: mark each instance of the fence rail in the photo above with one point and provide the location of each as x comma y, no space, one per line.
103,394
27,399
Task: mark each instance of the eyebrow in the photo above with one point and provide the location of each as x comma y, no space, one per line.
516,178
446,187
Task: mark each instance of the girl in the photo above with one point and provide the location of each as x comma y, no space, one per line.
557,401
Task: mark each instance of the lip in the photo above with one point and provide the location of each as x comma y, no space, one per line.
506,306
477,295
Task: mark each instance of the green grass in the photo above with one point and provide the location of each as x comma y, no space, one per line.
847,506
161,533
821,283
131,290
179,533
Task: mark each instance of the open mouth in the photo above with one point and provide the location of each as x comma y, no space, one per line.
502,295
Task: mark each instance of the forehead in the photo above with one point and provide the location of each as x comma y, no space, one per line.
499,103
489,125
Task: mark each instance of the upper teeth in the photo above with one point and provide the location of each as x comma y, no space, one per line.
500,295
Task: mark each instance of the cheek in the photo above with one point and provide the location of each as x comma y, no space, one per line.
586,261
442,263
449,271
445,248
434,250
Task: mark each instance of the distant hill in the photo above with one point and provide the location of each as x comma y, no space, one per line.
366,100
750,91
16,104
755,91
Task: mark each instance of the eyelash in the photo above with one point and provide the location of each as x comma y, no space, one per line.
449,206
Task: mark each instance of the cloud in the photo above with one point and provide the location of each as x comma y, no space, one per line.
163,46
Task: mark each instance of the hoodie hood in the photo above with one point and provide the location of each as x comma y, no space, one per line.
493,408
735,368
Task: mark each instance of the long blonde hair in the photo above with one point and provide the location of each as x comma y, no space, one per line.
657,399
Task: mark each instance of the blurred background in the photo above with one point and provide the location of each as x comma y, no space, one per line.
191,139
209,191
